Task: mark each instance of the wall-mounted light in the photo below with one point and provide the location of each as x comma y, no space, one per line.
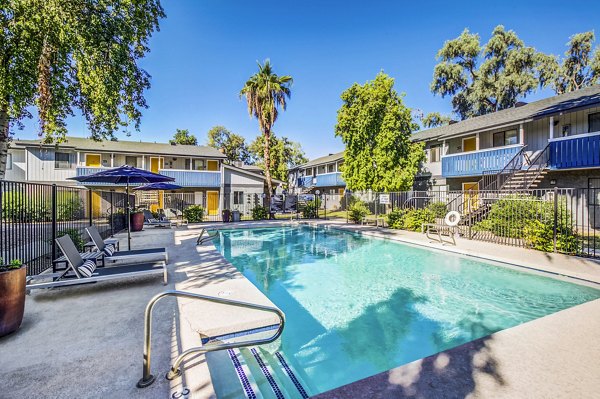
553,182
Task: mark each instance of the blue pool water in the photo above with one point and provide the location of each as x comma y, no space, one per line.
356,306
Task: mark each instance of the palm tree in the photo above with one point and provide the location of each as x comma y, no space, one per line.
265,92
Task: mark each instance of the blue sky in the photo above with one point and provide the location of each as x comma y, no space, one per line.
206,50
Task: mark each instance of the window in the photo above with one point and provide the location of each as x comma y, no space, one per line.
434,153
594,122
309,172
331,168
321,169
131,161
508,137
8,161
238,198
62,160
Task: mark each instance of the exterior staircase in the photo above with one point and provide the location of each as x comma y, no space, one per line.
525,179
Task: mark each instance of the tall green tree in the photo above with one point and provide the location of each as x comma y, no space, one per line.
484,79
434,119
183,137
231,144
265,93
579,68
375,126
61,55
285,155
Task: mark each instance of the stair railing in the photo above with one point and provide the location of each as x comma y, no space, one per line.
509,170
147,377
538,164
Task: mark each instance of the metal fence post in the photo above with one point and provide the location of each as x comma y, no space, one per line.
90,205
54,189
555,217
112,213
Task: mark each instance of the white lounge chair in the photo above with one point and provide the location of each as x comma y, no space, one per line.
148,254
82,272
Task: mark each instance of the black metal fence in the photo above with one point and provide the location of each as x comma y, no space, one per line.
33,215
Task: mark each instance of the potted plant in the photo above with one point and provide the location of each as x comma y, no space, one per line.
226,215
136,220
12,295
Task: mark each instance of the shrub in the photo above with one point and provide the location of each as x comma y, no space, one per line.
18,207
69,206
357,211
394,218
439,209
193,213
410,219
310,210
75,237
260,213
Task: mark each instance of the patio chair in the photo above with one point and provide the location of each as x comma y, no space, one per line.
148,254
174,216
150,220
83,272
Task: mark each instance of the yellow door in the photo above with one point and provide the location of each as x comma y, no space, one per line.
471,201
469,144
96,205
156,164
212,165
92,160
212,202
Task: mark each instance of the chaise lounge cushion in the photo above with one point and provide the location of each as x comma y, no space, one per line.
88,268
109,249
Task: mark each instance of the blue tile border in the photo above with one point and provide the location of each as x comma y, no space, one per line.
241,375
291,374
267,373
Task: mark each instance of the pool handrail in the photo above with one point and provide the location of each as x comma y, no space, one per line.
175,371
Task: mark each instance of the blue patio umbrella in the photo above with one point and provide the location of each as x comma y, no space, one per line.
158,186
124,175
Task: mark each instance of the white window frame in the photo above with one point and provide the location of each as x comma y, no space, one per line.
9,161
69,156
462,143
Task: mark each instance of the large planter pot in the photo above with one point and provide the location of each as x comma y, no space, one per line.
12,299
136,221
226,215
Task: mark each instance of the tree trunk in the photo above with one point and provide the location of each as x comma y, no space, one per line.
4,124
267,155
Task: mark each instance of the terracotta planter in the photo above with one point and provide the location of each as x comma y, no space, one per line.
136,221
226,215
12,299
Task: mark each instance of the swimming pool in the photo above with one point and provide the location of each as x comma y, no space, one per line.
356,306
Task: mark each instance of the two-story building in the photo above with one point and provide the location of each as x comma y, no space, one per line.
323,174
554,142
200,170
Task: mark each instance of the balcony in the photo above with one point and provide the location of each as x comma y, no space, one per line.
306,181
575,152
193,178
86,171
475,163
330,180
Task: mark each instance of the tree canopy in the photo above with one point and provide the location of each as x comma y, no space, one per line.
434,119
375,126
285,154
483,79
183,137
265,92
578,68
231,144
61,55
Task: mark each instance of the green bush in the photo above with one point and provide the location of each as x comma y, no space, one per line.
260,213
75,236
439,209
18,207
310,210
357,211
193,213
69,206
411,219
532,220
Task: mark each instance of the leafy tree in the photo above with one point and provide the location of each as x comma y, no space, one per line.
232,145
265,93
435,119
60,55
506,73
375,126
285,154
183,137
580,67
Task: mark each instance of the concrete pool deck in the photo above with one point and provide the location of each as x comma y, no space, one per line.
86,341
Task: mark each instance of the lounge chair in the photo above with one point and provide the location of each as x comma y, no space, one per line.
149,254
202,238
83,272
150,220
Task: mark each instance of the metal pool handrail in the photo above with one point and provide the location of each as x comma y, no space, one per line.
147,377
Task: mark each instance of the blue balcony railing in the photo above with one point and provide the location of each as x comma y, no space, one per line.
306,181
86,171
477,162
330,180
575,152
194,178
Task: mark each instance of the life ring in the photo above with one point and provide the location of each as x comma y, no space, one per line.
452,218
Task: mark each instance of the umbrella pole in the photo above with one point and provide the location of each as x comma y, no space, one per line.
128,219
